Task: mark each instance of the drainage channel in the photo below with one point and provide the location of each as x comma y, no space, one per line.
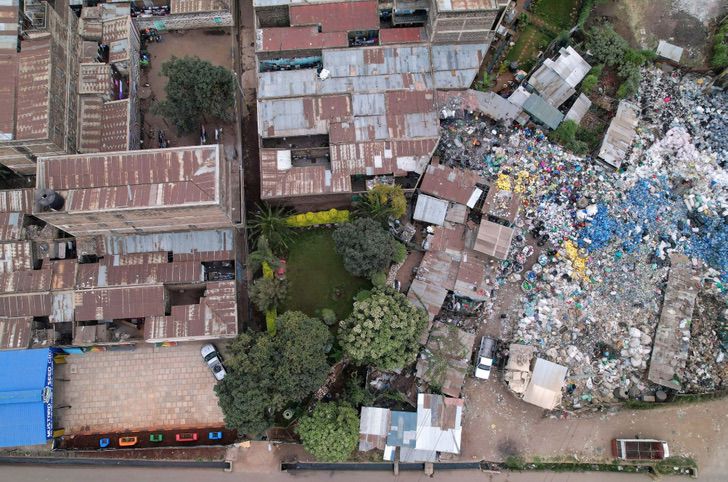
225,465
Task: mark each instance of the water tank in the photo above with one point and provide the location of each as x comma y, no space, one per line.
49,199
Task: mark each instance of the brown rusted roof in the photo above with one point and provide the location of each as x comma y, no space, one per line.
26,304
401,35
16,256
133,179
296,38
453,184
214,317
196,6
115,126
116,303
64,274
493,239
16,200
15,333
296,181
8,83
337,17
90,123
106,275
25,281
33,90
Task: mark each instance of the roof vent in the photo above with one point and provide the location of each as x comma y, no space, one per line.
49,199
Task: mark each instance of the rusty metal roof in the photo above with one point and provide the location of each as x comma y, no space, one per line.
16,200
452,346
26,304
337,17
401,35
16,256
25,281
134,179
493,239
197,6
115,126
8,83
453,184
277,39
91,108
214,317
15,333
33,91
115,303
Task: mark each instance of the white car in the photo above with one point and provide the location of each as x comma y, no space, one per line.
484,360
214,360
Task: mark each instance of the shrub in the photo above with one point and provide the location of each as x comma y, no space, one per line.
362,295
400,252
331,432
271,315
267,293
719,59
379,280
329,316
382,202
565,135
365,247
332,216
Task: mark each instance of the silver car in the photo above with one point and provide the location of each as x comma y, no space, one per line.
214,360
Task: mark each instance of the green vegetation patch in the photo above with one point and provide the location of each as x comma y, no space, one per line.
560,13
529,43
317,278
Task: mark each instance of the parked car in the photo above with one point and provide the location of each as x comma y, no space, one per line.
485,359
214,360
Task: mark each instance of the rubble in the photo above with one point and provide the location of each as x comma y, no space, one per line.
598,240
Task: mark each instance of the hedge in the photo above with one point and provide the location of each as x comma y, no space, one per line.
332,216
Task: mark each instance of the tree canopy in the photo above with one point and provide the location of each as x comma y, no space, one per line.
383,330
331,432
196,92
271,222
267,373
365,247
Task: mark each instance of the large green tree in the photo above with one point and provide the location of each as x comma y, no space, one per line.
383,330
268,293
196,92
365,246
331,432
267,373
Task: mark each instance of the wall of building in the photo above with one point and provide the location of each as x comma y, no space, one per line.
445,27
186,21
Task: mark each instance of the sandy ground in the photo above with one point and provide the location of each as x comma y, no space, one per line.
686,23
216,48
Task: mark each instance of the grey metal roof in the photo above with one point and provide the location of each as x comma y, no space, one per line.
669,51
620,134
579,109
403,429
178,242
547,381
430,210
542,111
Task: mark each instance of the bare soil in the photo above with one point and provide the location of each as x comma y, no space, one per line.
213,45
685,23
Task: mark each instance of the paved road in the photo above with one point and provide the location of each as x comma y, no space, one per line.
116,474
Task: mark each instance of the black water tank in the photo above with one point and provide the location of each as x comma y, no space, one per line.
49,199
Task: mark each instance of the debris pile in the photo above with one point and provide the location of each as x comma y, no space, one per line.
596,241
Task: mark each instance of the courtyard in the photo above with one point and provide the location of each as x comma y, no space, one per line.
147,388
318,278
212,45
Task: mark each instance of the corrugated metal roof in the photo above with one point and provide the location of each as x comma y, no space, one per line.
115,126
337,17
439,423
26,387
114,303
669,51
373,428
196,6
542,111
278,39
16,200
403,429
489,103
133,179
8,83
15,333
620,134
26,304
33,92
453,346
493,239
430,210
16,256
401,35
91,108
579,109
177,242
453,184
547,381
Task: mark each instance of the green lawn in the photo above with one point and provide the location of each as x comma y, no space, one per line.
560,13
529,42
317,278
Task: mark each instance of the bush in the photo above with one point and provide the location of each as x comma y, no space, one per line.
382,202
589,82
400,252
329,316
565,135
362,295
379,280
267,293
365,246
719,59
331,432
515,462
271,316
304,220
606,45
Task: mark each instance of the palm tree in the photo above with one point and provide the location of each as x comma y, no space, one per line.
267,293
271,222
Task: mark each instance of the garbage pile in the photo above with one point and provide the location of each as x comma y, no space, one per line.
591,292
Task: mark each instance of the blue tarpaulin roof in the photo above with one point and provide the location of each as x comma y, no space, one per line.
26,397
